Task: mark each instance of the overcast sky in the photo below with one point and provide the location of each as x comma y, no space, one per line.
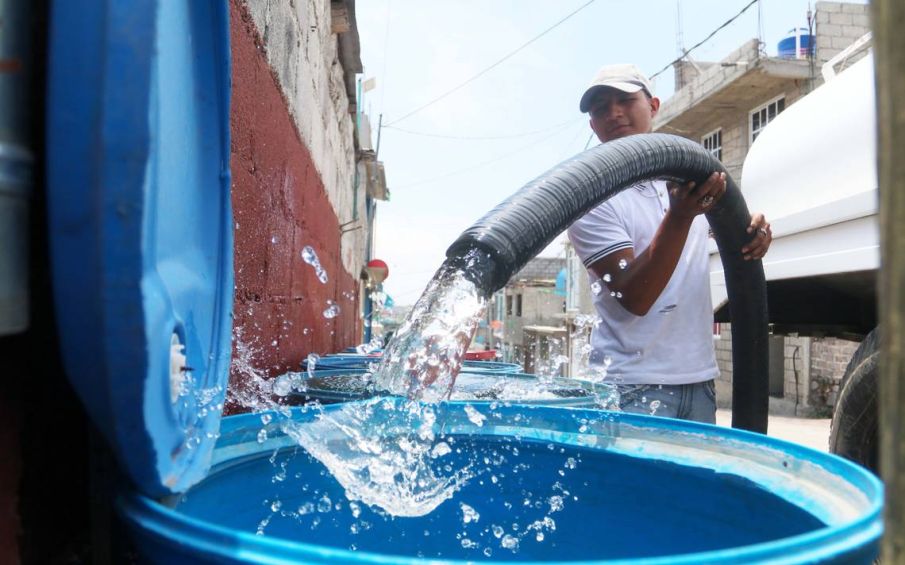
440,180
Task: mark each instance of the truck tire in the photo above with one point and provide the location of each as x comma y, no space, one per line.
854,431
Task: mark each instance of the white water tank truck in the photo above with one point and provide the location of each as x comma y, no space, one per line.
812,172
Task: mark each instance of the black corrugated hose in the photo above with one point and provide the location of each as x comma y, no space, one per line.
510,235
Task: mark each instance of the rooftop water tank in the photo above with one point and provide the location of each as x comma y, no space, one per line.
796,44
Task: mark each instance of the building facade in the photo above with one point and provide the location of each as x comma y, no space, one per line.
530,299
724,106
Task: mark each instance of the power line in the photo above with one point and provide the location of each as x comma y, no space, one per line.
485,137
703,41
494,65
481,164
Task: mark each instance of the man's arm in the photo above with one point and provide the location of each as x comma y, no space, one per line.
638,281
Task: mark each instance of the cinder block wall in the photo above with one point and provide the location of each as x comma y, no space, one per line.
838,24
812,371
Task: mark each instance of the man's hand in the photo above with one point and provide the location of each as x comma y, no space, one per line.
763,237
689,200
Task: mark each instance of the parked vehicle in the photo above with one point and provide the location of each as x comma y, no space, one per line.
812,171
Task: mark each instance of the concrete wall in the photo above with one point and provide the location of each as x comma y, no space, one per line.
292,187
299,45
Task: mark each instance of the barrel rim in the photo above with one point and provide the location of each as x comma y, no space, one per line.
831,541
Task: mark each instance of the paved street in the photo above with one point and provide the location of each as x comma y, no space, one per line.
811,432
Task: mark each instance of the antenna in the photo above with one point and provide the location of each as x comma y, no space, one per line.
680,40
762,46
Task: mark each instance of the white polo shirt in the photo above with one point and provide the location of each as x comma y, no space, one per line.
672,343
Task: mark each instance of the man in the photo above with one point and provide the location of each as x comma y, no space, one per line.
646,253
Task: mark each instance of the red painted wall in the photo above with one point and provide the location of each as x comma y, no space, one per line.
279,205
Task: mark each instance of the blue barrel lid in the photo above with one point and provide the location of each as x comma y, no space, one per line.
140,225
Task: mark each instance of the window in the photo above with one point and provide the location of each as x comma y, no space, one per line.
518,304
508,304
713,142
762,116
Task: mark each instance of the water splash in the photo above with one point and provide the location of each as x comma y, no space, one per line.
310,256
380,452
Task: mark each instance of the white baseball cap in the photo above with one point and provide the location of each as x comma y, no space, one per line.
626,78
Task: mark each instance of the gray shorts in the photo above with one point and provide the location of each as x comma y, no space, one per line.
687,402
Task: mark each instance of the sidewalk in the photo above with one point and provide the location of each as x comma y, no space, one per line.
811,432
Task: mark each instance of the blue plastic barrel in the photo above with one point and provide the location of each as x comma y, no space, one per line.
588,486
329,386
361,361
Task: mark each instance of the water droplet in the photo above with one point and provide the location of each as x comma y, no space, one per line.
488,552
539,536
306,508
510,542
310,257
324,504
623,264
273,239
497,531
332,310
474,416
556,503
570,463
469,514
355,508
282,385
440,450
607,278
262,435
618,295
266,418
596,288
276,505
311,363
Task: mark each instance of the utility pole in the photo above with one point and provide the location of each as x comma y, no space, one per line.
888,18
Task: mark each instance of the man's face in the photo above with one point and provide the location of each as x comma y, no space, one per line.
616,114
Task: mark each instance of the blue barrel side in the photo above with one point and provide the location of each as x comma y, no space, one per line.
141,228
